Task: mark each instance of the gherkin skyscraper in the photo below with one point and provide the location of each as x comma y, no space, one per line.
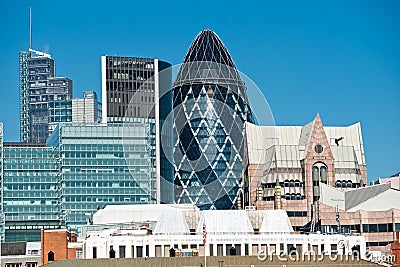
210,110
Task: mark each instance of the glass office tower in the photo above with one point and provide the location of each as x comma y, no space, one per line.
139,90
39,86
30,190
104,164
210,109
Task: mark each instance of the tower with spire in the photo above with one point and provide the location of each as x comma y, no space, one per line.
38,86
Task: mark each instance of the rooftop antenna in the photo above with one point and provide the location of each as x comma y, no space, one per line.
30,27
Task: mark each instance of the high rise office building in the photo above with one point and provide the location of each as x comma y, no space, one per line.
86,109
104,164
39,86
210,109
138,90
30,189
132,86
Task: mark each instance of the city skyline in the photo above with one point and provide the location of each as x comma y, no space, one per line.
351,55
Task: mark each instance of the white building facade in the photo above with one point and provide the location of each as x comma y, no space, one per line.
86,109
181,230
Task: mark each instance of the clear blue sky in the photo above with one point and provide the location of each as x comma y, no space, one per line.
337,58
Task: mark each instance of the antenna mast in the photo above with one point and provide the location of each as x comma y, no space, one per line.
30,27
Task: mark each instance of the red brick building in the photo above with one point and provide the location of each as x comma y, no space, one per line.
59,245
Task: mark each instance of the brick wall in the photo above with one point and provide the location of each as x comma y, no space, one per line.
57,242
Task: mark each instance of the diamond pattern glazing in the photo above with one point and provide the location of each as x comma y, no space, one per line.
210,109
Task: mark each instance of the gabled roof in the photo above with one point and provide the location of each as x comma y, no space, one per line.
172,222
276,221
225,221
260,138
306,132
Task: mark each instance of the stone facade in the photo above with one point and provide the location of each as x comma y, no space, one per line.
318,175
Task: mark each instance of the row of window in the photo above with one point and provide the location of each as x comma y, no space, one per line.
293,196
127,198
376,244
30,194
378,228
23,209
346,184
366,228
38,186
19,264
297,213
141,151
92,184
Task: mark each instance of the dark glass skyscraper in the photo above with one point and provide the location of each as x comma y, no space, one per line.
39,86
210,109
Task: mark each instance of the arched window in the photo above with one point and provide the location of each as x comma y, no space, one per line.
315,174
291,183
297,183
349,184
286,183
50,256
338,184
323,174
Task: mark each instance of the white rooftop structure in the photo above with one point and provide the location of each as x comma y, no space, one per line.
113,214
276,221
225,221
389,199
372,198
184,219
171,221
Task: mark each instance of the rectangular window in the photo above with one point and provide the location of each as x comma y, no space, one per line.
238,249
397,227
373,228
365,228
139,252
94,252
122,251
220,250
382,227
158,251
333,249
78,254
